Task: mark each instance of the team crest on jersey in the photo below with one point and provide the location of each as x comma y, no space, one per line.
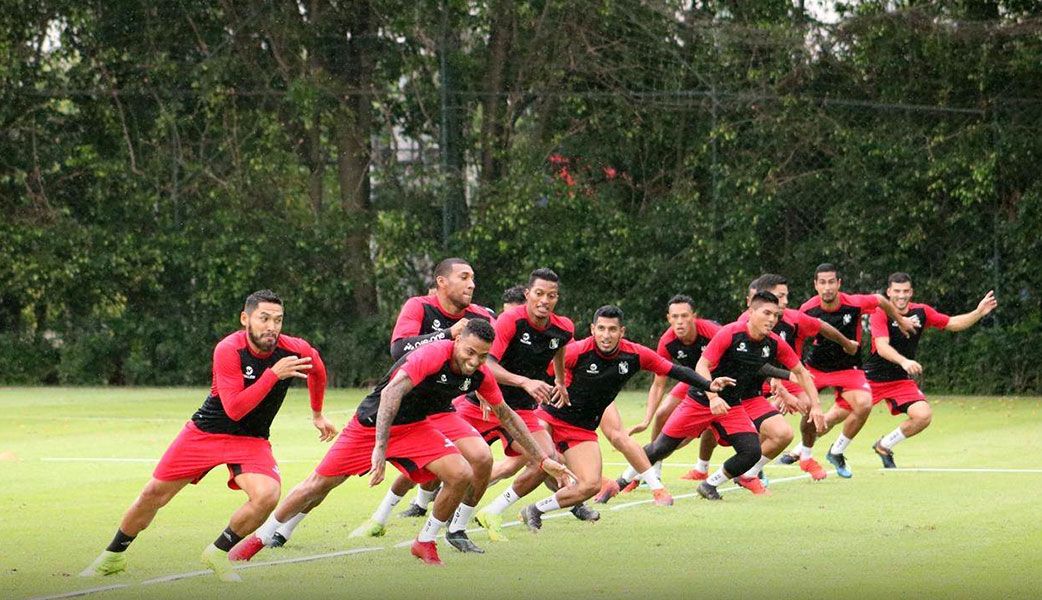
784,335
766,352
592,369
681,354
554,343
846,319
249,373
466,385
436,324
742,347
526,339
624,367
443,378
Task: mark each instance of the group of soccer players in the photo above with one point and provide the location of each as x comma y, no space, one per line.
463,379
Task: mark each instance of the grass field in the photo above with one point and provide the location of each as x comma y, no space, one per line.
71,460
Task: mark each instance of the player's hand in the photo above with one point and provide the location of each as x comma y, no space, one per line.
851,347
376,467
988,304
815,416
559,397
485,408
457,329
912,367
907,326
717,406
559,472
292,366
538,390
326,429
718,384
639,427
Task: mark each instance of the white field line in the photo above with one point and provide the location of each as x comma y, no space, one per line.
957,470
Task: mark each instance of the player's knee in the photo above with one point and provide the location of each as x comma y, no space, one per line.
155,495
460,474
617,439
481,463
266,499
589,487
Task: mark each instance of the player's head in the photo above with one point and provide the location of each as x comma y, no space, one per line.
455,281
764,312
607,328
542,293
513,296
827,281
899,289
471,348
681,314
262,317
773,283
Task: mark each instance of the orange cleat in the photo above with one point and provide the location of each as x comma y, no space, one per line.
427,552
630,487
246,549
662,497
754,485
609,489
811,466
695,475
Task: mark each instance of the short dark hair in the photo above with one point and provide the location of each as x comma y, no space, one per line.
444,268
514,295
480,328
545,274
763,296
260,296
898,277
827,268
682,299
608,311
767,282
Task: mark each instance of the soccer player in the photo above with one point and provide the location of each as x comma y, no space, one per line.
252,370
513,296
892,365
747,351
596,369
392,424
832,367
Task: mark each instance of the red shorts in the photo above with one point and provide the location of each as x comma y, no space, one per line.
452,425
679,390
898,394
564,434
194,452
491,429
840,381
690,419
411,448
759,410
793,388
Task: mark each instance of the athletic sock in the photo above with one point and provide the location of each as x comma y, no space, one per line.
286,529
383,512
717,478
547,504
120,542
266,531
227,540
804,452
651,478
423,498
502,502
702,466
840,445
658,469
629,474
755,471
892,439
463,516
430,530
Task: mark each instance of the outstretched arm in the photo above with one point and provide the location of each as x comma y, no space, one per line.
965,321
390,400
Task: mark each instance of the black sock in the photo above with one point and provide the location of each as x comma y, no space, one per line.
227,540
120,542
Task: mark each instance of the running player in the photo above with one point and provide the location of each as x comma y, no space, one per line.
252,370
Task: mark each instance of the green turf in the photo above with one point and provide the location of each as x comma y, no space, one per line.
880,534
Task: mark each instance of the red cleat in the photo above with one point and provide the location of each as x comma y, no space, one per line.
246,549
630,487
662,497
811,466
695,475
754,485
609,489
427,552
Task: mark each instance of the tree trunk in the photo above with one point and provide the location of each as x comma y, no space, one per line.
494,104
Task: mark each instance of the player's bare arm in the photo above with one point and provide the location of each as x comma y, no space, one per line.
655,394
390,400
539,390
717,405
559,397
965,321
292,366
519,432
849,346
325,427
814,415
884,349
906,325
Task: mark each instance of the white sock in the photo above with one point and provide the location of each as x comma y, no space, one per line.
286,529
717,478
658,469
804,451
892,439
383,512
840,445
430,529
651,478
502,502
547,504
702,466
629,474
267,530
463,516
423,498
753,472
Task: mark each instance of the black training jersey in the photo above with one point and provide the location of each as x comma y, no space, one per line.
674,349
423,315
734,353
878,368
826,355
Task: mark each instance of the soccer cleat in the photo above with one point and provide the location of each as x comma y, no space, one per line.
460,541
532,518
493,524
812,467
662,497
708,491
629,487
107,563
789,458
217,561
585,513
609,489
413,511
427,552
695,475
278,540
840,462
754,485
368,529
246,549
763,479
887,456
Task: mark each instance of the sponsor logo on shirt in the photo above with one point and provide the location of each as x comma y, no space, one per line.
526,339
554,343
766,352
443,378
466,385
436,325
681,354
624,367
592,369
249,373
742,347
846,319
784,335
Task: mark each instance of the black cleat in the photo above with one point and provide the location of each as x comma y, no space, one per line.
532,518
413,511
789,458
887,456
840,462
708,491
277,540
585,513
460,541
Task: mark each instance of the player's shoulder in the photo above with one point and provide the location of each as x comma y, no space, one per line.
667,336
416,303
856,299
812,302
920,306
707,325
631,347
481,312
587,344
293,344
439,350
562,322
732,327
233,341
